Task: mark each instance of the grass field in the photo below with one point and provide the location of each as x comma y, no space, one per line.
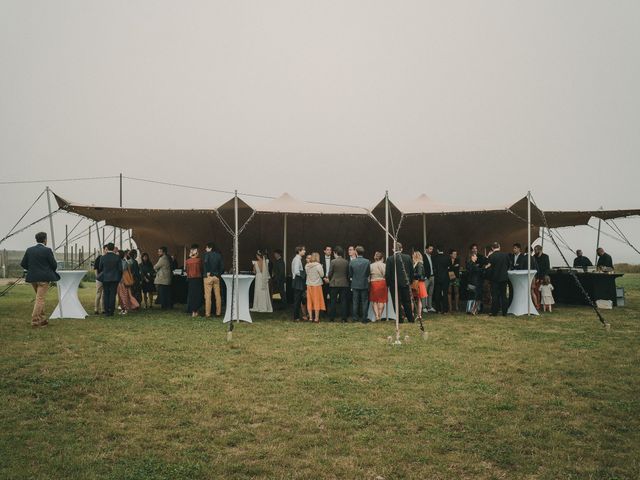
164,396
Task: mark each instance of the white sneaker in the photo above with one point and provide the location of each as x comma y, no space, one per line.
432,310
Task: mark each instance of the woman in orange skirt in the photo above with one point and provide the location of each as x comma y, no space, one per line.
418,286
315,278
378,286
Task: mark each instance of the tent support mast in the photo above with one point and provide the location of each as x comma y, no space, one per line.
284,246
597,240
120,207
386,235
235,255
53,238
529,252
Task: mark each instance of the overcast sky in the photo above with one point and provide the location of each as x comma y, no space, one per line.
471,102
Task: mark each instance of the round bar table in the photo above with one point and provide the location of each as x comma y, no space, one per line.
389,305
69,305
244,282
521,288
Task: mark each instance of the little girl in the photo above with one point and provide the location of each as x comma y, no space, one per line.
546,290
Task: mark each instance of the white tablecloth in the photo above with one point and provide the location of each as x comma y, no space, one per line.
389,305
521,290
69,305
242,313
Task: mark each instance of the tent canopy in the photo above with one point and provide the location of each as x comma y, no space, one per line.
316,224
285,203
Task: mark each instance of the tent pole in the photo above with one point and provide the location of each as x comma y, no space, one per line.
395,277
424,231
284,246
529,252
597,240
121,207
386,223
98,237
235,255
53,238
386,236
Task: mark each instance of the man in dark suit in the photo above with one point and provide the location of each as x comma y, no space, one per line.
111,274
401,263
338,276
359,272
605,262
325,261
517,259
499,274
581,261
279,277
40,265
99,305
441,264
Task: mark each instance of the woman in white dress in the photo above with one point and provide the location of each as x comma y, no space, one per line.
261,295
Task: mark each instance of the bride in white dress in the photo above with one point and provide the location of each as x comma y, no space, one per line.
261,295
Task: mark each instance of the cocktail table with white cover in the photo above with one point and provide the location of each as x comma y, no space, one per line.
244,282
389,305
69,305
521,289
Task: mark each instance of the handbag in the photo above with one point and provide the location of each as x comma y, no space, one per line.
299,283
415,287
127,278
452,275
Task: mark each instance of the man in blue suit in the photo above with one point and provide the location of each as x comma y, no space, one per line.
110,277
359,272
40,265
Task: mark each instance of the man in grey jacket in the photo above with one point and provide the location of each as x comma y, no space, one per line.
359,272
338,285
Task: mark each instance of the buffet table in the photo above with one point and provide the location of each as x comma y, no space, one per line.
599,286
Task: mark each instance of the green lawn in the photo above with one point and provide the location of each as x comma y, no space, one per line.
164,396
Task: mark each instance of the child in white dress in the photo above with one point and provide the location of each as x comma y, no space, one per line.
546,290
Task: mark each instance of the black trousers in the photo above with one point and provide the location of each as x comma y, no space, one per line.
499,297
109,297
338,296
164,296
404,298
440,296
297,301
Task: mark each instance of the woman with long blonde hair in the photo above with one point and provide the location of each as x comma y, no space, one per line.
418,286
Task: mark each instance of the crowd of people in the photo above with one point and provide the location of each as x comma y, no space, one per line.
330,285
136,284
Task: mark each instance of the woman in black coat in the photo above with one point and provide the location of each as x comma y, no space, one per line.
474,284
